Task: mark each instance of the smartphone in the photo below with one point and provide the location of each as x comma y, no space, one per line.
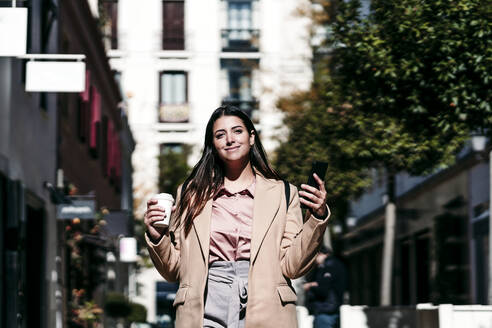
320,169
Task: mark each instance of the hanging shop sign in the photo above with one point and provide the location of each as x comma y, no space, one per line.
79,208
13,32
44,75
128,249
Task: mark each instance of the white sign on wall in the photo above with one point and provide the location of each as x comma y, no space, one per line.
13,32
55,76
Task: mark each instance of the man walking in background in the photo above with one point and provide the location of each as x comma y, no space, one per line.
325,288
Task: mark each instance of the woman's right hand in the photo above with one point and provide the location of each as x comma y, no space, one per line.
308,285
155,213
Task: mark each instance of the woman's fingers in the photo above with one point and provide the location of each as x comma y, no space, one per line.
308,203
309,188
320,182
314,198
308,195
154,213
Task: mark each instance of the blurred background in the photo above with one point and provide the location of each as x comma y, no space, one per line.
103,104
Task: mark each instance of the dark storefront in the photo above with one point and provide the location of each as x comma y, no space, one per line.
441,242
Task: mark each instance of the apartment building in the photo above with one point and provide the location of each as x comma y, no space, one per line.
179,60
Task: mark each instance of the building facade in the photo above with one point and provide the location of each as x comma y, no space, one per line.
441,237
28,132
179,60
51,143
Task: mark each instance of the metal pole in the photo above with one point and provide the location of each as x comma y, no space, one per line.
388,252
490,228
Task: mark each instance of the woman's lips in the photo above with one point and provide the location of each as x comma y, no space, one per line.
231,148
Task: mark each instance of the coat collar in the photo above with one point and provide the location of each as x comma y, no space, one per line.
267,197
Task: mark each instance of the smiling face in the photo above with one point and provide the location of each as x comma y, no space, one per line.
232,140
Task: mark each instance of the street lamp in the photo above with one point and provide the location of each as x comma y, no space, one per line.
479,143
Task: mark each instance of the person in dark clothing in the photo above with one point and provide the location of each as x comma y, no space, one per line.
325,289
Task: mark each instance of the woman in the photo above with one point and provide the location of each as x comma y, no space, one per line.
234,240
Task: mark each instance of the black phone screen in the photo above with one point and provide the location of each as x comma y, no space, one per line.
320,169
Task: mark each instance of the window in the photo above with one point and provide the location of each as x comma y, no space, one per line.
239,17
173,97
240,85
239,76
172,148
240,35
117,78
109,22
173,25
173,88
165,294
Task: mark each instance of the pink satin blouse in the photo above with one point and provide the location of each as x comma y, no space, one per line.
231,225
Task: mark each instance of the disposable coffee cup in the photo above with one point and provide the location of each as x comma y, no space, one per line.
166,202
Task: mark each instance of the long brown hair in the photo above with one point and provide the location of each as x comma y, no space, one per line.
208,174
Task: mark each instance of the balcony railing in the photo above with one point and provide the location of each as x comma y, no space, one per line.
174,113
240,40
250,107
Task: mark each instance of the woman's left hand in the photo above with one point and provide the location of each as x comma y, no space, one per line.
315,199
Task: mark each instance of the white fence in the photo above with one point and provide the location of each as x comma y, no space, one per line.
420,316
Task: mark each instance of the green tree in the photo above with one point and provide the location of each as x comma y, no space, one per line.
313,130
117,306
138,313
424,65
400,89
173,170
173,167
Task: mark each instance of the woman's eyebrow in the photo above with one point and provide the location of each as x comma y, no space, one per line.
224,130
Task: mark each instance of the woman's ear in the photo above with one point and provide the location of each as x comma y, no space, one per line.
252,138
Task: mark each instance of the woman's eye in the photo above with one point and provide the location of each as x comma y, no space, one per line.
238,131
218,136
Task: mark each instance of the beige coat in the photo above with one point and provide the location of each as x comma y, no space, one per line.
282,248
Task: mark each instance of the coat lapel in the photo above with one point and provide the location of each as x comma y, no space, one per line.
266,206
201,225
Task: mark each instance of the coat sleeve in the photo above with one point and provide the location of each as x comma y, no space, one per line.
300,242
166,253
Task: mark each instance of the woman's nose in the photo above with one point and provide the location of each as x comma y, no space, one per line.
229,138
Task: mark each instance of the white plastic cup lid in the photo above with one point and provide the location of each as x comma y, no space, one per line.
164,196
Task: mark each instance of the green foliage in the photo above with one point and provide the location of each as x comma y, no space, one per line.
312,137
426,63
173,168
138,313
400,89
117,306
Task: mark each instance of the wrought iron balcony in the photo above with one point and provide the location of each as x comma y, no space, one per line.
250,107
174,113
240,40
